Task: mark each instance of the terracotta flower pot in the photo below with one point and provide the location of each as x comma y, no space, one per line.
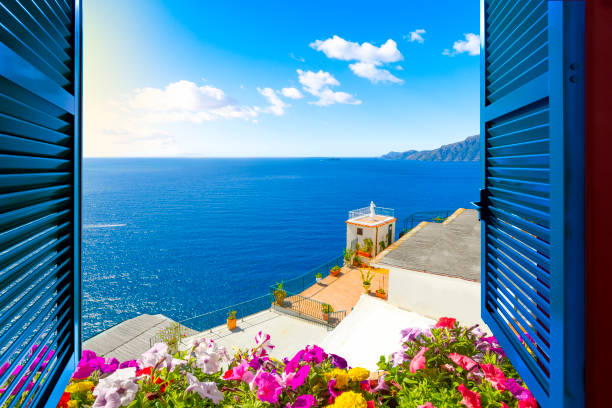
381,295
364,254
334,272
280,295
231,324
326,316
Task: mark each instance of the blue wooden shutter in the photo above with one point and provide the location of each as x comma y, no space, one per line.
40,162
532,112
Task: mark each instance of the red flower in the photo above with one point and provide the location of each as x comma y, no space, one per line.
228,374
144,371
448,322
63,402
371,404
365,386
470,399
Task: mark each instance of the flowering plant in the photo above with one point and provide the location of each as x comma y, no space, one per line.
450,365
439,367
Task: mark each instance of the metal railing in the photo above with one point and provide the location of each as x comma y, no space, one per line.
430,216
218,317
310,309
389,212
301,283
214,318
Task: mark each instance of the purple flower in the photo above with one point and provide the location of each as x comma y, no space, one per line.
381,386
515,388
338,361
129,363
314,354
331,387
410,334
296,380
268,387
83,371
305,401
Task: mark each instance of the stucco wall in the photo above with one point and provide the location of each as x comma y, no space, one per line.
435,296
369,232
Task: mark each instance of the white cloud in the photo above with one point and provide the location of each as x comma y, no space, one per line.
277,106
416,36
318,84
292,93
369,57
368,70
470,45
184,101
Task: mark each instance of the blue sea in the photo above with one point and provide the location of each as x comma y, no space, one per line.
184,236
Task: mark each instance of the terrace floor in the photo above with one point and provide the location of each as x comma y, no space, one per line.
343,292
288,334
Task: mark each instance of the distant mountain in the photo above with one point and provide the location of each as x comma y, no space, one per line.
466,150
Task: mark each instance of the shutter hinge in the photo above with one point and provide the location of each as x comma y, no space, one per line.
481,203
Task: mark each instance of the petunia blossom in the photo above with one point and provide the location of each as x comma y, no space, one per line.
314,354
205,389
530,402
305,401
121,383
447,322
153,356
292,365
338,361
382,385
419,361
268,387
209,357
470,399
264,346
463,361
516,390
295,380
494,375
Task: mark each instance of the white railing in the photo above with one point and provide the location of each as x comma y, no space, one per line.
360,212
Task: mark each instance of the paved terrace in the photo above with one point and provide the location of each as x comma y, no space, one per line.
288,334
343,292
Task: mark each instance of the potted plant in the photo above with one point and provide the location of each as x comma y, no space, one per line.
380,292
348,256
326,309
319,277
366,281
231,319
335,271
356,260
366,249
383,245
279,294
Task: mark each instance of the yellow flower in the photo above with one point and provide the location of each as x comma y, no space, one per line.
73,404
350,399
80,387
358,374
340,376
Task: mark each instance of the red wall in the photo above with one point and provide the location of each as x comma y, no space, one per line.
598,208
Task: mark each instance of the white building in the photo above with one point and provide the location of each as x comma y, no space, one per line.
375,223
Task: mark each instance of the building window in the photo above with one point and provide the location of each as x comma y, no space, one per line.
359,231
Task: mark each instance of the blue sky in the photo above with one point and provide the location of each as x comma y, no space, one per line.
278,79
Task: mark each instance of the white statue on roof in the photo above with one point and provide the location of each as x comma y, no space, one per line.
372,210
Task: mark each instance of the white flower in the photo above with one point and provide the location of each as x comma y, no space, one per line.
118,389
153,356
207,389
209,356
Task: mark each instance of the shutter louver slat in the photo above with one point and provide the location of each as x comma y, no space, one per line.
40,93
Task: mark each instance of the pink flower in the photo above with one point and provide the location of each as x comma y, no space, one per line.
300,377
268,387
418,362
517,391
292,365
462,361
530,402
470,399
83,371
447,322
494,375
427,405
314,353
